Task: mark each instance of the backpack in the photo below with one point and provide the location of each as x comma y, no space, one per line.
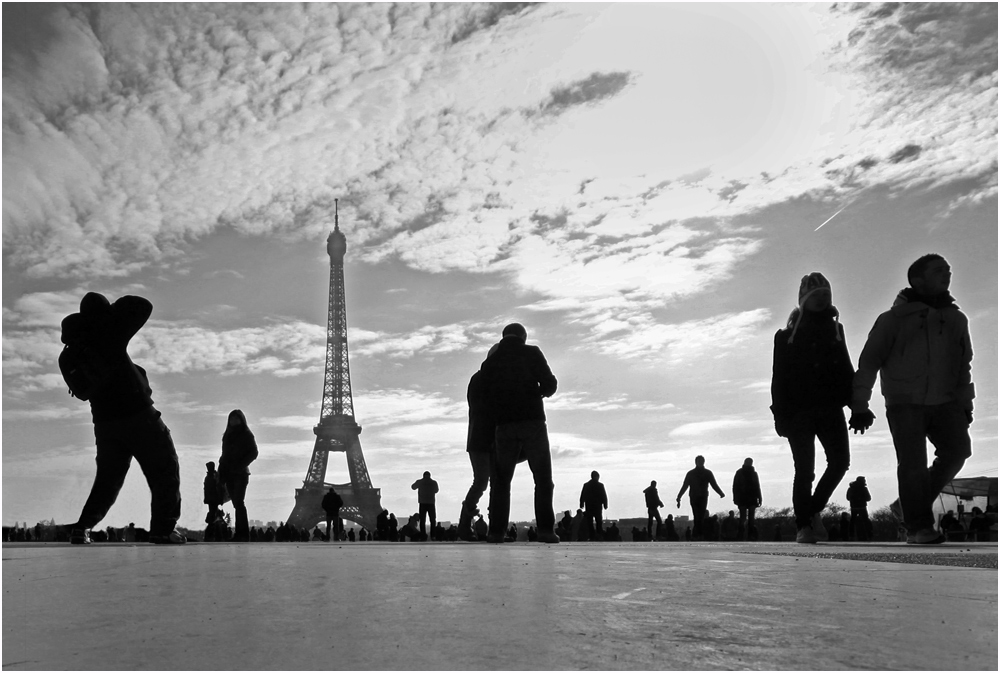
85,371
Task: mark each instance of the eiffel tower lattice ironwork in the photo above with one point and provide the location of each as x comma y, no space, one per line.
337,429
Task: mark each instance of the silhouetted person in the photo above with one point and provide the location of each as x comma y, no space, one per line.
393,528
426,488
593,498
382,525
747,497
483,529
515,379
698,480
653,504
671,534
331,504
845,526
479,446
922,352
350,535
730,527
614,534
126,425
810,386
859,497
212,498
566,525
979,526
239,449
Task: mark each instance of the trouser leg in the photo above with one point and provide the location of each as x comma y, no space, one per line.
155,453
699,505
832,433
948,432
540,463
908,425
237,486
113,461
802,442
508,446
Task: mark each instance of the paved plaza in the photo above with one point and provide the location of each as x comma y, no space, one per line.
416,606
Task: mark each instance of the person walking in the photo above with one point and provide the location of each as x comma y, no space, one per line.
810,386
479,446
593,498
97,368
922,352
859,497
653,504
331,504
746,495
239,449
426,488
516,378
698,480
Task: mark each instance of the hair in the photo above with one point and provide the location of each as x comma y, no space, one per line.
594,475
515,328
917,269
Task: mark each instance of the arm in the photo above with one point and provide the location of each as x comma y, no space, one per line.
680,493
873,356
546,380
604,496
715,486
966,388
779,384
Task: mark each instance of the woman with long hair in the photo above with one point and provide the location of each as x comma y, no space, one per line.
239,449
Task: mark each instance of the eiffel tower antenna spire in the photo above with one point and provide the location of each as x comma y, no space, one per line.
337,429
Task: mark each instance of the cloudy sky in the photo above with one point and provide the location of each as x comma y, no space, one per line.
641,185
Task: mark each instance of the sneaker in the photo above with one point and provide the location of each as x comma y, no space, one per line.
548,538
819,530
173,537
79,536
928,536
805,535
911,538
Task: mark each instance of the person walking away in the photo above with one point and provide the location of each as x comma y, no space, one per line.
810,386
96,366
331,504
922,352
698,480
747,497
516,378
653,504
859,497
479,446
212,498
426,488
239,449
592,498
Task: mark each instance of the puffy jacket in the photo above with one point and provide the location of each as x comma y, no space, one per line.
482,424
746,487
923,355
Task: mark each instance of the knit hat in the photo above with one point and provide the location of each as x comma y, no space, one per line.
811,284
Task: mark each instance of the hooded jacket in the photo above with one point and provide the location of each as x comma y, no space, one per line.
746,487
515,379
814,370
922,354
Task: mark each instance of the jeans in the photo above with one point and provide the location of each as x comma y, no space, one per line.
146,438
237,484
427,509
334,526
860,523
947,426
746,521
653,513
699,508
480,477
515,442
594,520
827,425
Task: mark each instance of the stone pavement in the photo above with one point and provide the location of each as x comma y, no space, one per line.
519,606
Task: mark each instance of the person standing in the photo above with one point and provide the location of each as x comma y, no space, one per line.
859,497
426,488
239,449
516,378
922,352
653,504
810,386
331,504
746,495
479,446
593,498
698,480
97,368
212,498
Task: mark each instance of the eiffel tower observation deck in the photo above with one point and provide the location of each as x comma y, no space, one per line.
337,429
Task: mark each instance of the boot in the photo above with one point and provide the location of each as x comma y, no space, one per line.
465,523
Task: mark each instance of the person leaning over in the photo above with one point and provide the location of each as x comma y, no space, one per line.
922,352
810,386
126,424
516,378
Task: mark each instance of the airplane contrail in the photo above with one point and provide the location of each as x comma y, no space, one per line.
830,218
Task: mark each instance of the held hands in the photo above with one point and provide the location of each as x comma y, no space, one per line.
861,420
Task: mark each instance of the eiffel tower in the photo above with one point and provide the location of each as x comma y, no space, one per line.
337,429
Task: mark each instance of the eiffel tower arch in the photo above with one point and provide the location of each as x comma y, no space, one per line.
337,429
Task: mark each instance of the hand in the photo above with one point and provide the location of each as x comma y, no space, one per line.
861,420
678,503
